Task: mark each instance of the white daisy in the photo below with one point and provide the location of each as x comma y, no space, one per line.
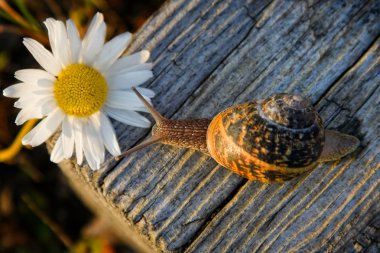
83,83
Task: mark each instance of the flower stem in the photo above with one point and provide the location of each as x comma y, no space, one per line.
10,152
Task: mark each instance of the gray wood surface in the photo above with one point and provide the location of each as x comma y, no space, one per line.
209,55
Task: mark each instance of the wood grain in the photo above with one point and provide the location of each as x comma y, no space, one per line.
209,55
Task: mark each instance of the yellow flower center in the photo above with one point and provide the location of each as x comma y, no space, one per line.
80,90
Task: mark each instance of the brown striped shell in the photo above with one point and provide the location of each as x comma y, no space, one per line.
273,140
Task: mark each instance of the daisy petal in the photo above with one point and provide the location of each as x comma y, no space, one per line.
94,39
78,136
96,138
128,117
128,80
111,51
44,129
34,112
46,91
37,77
146,92
74,40
139,67
57,152
89,157
48,106
50,25
108,135
67,137
89,142
17,90
130,61
126,100
58,41
64,52
43,56
31,100
27,114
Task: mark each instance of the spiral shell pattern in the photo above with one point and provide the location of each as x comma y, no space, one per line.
272,141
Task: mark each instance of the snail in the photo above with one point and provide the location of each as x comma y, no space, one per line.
272,140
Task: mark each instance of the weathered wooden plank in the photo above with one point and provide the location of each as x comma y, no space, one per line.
334,200
368,240
209,55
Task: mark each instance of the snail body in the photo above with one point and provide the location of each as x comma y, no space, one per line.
273,140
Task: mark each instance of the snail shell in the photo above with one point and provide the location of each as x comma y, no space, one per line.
272,140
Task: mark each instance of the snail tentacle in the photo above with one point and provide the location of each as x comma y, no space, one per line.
179,133
158,118
145,143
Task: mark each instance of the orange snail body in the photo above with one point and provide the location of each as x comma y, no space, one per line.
273,140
